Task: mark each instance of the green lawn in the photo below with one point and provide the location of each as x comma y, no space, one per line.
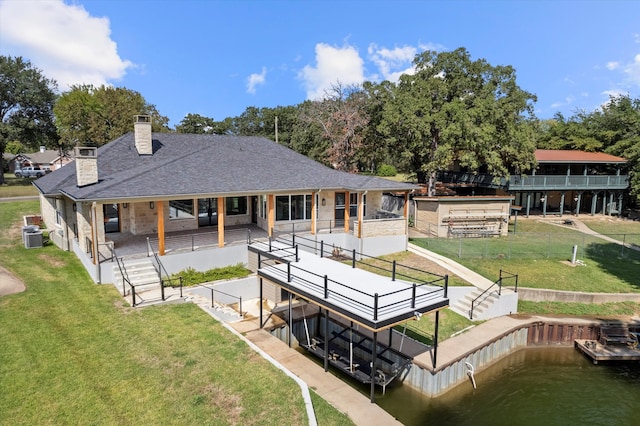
74,352
17,187
539,254
627,231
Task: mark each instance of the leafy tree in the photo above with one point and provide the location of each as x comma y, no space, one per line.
92,116
196,124
26,102
572,134
455,111
14,147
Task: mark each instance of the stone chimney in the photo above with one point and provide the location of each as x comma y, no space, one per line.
86,165
142,130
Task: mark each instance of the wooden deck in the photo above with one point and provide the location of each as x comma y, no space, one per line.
611,352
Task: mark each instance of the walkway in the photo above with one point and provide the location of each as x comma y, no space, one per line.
586,230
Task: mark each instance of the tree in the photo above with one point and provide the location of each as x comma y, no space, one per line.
196,124
26,102
457,112
86,115
343,118
14,147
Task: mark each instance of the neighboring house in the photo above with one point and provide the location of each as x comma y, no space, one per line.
47,159
160,185
565,181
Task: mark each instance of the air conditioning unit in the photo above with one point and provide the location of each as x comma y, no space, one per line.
33,239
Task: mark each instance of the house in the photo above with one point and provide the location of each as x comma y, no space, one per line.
564,182
162,189
47,159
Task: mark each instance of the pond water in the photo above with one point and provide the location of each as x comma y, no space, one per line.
534,386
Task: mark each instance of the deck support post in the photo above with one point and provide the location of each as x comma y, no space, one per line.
261,299
435,340
528,203
562,194
290,337
594,202
326,340
374,352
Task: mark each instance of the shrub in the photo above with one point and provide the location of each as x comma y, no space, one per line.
387,170
191,277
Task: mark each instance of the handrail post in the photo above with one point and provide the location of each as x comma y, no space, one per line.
353,259
516,290
500,287
393,271
413,296
259,261
326,286
241,307
193,243
180,286
293,238
162,288
133,295
288,272
446,285
211,297
330,230
321,249
270,244
375,307
471,311
297,257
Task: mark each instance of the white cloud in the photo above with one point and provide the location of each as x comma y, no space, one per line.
613,65
633,71
256,79
567,101
62,40
333,64
392,63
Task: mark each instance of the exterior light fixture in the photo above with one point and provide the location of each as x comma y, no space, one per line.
324,202
152,205
125,205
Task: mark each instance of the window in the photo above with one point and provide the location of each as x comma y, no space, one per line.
263,206
181,209
293,207
353,205
236,206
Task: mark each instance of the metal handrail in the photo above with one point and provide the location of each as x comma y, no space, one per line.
375,309
498,283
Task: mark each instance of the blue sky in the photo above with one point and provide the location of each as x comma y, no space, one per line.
216,58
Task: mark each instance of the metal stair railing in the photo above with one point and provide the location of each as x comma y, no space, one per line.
499,284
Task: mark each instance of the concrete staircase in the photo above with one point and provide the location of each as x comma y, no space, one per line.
463,306
142,274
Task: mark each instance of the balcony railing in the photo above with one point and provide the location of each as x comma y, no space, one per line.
570,182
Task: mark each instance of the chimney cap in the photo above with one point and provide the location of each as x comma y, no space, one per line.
142,119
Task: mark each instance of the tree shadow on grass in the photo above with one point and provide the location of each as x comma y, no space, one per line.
619,261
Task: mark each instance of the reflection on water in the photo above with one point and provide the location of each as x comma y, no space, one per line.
535,386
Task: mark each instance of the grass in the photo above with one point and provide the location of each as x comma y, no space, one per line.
579,309
409,267
622,230
541,259
449,324
17,187
74,352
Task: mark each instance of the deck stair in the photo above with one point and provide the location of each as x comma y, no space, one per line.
463,305
142,274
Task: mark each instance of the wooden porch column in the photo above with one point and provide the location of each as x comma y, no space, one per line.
406,211
347,206
562,203
313,213
271,213
221,214
160,208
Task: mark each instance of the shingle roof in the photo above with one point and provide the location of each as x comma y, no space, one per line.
568,156
184,164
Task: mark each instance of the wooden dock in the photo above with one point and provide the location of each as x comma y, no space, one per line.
611,352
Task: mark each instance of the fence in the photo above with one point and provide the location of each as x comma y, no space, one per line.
537,246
